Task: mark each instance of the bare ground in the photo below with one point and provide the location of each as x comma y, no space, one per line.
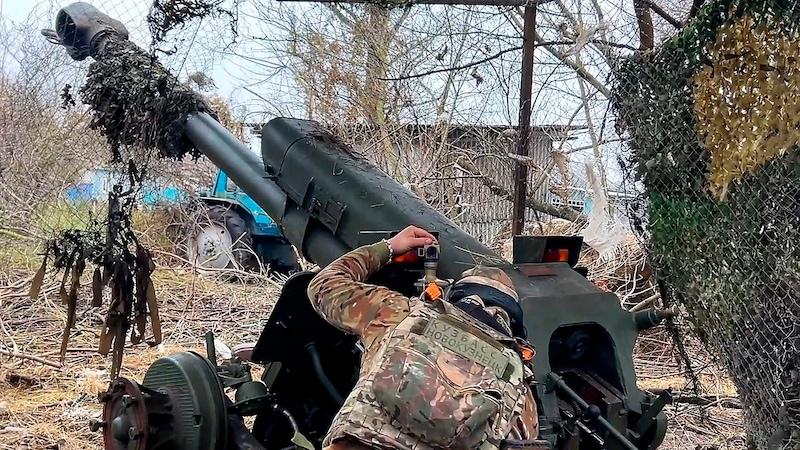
46,407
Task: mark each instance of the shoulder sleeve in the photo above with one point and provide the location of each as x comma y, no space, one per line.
341,296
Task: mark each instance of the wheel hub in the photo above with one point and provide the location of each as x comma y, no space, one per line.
180,405
125,416
212,247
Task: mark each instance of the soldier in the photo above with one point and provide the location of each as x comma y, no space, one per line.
436,373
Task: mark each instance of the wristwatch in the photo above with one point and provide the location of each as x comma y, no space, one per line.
389,246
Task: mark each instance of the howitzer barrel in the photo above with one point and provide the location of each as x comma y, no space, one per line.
342,194
246,170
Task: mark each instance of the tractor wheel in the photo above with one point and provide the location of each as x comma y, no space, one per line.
218,239
281,256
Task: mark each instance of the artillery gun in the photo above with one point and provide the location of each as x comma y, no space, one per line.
327,201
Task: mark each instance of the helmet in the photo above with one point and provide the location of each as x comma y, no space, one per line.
493,290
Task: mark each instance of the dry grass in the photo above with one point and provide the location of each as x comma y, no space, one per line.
43,407
713,426
48,407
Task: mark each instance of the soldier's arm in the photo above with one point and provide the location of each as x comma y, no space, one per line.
341,296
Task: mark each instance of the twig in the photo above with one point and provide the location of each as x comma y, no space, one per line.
12,234
81,350
11,339
708,401
664,15
30,357
646,302
452,69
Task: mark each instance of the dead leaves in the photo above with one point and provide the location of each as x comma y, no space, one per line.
127,274
747,102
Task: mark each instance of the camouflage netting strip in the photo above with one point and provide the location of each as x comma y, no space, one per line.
136,102
714,124
168,15
141,108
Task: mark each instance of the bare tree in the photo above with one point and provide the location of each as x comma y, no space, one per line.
45,143
447,65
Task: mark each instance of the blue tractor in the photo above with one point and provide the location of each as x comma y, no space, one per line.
230,230
226,230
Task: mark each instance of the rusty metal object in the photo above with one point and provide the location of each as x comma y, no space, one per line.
125,422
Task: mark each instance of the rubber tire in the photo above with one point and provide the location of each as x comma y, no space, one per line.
242,240
281,257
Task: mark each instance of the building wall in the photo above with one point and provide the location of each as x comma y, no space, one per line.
485,215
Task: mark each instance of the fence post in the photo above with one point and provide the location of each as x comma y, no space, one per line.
525,88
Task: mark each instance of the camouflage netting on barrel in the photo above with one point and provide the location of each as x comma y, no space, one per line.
141,109
713,121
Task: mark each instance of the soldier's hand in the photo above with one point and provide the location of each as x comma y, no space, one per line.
410,238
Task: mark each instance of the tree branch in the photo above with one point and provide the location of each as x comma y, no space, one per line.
450,69
574,66
500,191
702,400
508,50
514,19
31,357
664,15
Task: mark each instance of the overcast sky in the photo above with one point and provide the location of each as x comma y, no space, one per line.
132,13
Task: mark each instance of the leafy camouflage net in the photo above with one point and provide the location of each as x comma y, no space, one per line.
135,101
141,110
714,124
168,15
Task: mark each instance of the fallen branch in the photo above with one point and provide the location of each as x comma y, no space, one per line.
720,401
645,303
30,357
10,338
708,400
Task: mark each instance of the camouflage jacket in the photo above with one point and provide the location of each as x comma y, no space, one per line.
390,400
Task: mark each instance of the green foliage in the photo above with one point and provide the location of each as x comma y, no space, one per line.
724,211
60,215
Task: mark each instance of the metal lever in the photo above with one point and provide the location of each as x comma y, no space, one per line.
558,382
576,420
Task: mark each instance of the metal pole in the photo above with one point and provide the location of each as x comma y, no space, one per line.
521,171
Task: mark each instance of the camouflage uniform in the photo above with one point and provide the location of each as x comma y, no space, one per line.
409,382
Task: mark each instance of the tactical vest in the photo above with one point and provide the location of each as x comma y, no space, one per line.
440,379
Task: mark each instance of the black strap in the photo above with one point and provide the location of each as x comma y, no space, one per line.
478,313
492,297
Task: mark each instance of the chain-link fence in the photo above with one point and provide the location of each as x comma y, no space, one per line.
712,118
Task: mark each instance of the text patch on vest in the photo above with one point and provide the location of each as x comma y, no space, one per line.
466,345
